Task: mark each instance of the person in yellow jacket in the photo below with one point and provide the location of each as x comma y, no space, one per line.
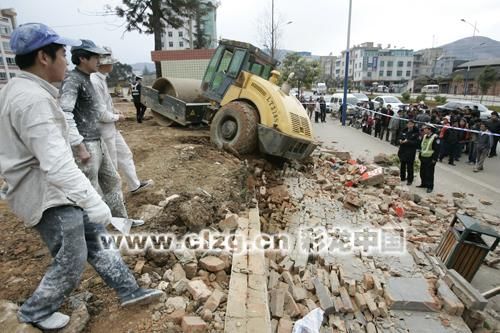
429,152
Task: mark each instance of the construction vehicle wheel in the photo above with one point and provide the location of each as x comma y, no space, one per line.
162,120
235,126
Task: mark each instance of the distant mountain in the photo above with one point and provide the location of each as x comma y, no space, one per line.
473,48
138,68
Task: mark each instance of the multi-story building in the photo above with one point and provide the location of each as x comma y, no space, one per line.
425,61
369,64
8,68
184,37
327,66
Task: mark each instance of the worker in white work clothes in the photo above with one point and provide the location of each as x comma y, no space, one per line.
83,110
44,186
120,153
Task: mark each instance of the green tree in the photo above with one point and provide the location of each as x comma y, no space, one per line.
486,79
120,73
152,16
201,40
306,72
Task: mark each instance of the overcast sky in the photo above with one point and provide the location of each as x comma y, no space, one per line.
318,26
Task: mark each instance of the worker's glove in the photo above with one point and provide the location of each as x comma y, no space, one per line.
96,209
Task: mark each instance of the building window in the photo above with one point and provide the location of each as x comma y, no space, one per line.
6,46
181,44
381,73
10,61
170,44
408,73
180,33
369,74
399,73
382,63
12,75
170,34
3,76
401,63
388,73
408,64
390,63
4,30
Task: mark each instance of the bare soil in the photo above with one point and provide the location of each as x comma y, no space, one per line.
180,161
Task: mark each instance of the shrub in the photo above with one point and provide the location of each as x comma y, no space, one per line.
405,97
440,99
421,97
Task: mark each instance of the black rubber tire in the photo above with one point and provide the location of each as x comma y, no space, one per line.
162,120
235,126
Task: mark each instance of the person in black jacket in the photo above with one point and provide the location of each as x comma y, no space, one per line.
493,126
408,144
450,142
322,109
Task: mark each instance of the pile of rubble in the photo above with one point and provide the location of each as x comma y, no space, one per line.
361,292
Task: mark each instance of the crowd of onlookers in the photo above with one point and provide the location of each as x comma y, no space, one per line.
460,132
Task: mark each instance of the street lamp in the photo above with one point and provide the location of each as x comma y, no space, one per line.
472,25
466,85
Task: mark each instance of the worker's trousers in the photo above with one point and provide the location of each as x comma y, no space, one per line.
72,241
122,159
104,177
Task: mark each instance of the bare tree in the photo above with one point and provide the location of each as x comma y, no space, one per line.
270,30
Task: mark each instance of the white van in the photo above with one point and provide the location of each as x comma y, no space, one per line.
430,89
336,101
321,88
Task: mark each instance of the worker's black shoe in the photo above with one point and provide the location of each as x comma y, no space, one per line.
429,190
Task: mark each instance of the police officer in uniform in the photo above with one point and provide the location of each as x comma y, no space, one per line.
135,90
429,151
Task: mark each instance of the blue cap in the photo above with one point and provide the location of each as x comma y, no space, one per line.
33,36
89,46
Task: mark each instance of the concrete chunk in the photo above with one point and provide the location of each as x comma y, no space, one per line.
410,294
277,302
325,299
451,303
334,283
469,295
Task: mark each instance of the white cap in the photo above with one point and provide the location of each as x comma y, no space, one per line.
107,59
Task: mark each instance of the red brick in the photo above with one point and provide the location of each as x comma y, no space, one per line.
191,324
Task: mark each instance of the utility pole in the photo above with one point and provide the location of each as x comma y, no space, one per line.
346,74
272,29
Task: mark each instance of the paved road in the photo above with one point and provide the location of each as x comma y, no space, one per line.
448,179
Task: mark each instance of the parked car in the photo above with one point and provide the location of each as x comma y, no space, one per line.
484,112
361,97
386,100
336,102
